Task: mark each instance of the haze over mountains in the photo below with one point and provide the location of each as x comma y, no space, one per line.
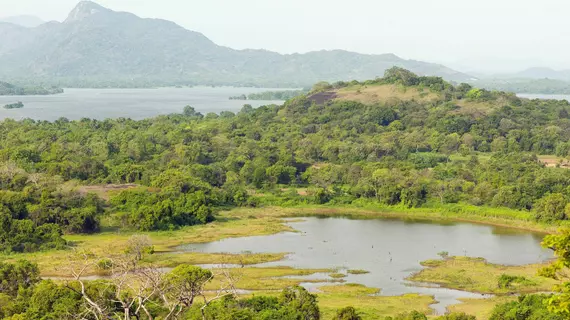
98,45
24,21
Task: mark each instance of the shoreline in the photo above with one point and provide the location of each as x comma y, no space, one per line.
422,214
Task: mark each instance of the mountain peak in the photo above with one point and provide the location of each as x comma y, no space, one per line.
83,10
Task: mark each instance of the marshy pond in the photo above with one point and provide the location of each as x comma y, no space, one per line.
390,249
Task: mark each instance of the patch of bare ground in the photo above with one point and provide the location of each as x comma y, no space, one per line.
322,97
102,191
554,162
370,94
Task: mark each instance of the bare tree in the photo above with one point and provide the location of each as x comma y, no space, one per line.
135,284
139,245
81,263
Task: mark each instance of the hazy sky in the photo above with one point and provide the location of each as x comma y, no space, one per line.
478,35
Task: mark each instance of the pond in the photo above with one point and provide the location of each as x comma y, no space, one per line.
391,250
137,104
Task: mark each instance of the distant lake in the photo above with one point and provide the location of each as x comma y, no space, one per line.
544,96
137,104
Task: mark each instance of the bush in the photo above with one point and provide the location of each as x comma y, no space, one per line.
506,281
531,307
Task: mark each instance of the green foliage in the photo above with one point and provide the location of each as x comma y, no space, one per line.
407,153
560,243
530,307
17,276
551,207
456,316
293,304
276,95
7,89
191,112
506,281
303,302
147,210
414,315
348,313
16,105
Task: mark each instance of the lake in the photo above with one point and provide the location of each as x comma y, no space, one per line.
390,249
544,96
137,104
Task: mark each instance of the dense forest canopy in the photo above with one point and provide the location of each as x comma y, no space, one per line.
423,142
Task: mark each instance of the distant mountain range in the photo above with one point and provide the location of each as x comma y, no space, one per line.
542,73
96,46
24,21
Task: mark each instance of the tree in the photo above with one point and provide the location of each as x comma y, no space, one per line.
560,244
414,315
23,274
191,112
535,307
299,299
139,245
457,316
348,313
551,207
401,75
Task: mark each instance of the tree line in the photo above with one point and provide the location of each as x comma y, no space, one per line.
409,153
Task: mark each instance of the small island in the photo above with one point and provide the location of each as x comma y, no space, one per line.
271,95
8,89
17,105
242,97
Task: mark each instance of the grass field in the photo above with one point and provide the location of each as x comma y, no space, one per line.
371,94
482,309
368,305
477,275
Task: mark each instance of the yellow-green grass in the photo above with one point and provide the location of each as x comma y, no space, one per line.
371,94
171,260
244,222
482,309
477,275
367,304
54,263
263,279
357,271
337,275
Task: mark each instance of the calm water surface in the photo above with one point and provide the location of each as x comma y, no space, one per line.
544,96
129,103
390,249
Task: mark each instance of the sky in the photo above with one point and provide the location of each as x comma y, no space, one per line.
489,36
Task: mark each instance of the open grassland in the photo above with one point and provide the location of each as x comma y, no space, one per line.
275,278
372,94
369,305
477,275
482,309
